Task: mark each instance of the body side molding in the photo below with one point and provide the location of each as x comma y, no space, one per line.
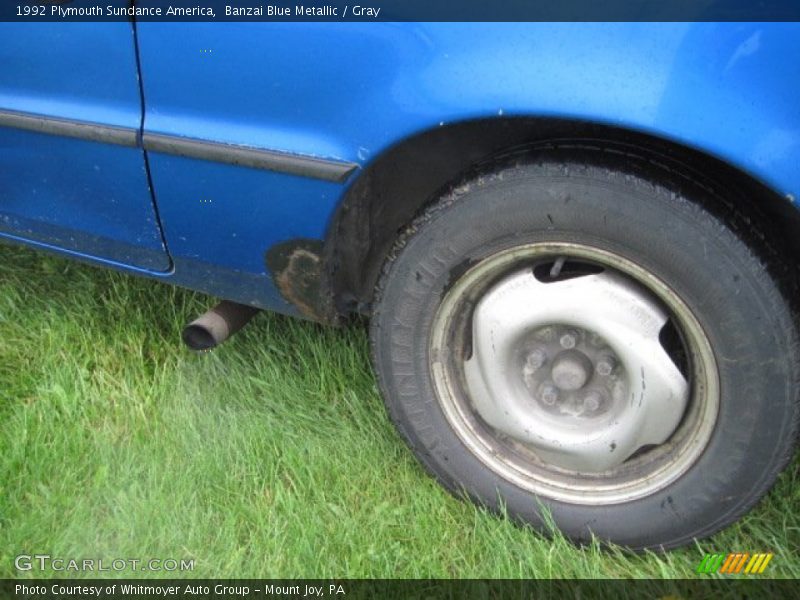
107,134
243,156
246,156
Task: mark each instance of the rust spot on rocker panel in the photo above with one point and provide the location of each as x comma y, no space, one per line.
297,270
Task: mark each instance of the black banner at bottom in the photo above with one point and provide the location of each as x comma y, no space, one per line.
422,589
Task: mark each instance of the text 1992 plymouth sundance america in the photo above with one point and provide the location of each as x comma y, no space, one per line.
576,242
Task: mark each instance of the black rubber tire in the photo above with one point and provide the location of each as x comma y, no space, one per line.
733,287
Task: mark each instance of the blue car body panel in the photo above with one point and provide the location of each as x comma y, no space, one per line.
81,196
350,91
221,220
78,195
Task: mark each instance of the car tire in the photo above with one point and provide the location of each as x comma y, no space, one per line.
498,304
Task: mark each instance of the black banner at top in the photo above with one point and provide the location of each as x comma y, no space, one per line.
399,10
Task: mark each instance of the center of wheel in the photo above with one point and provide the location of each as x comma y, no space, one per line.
571,370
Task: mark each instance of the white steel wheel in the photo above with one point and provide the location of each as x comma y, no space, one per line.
549,364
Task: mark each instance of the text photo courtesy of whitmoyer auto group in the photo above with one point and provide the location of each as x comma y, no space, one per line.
400,299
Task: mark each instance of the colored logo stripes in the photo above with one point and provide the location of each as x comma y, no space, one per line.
735,562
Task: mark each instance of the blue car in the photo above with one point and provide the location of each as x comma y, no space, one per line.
576,243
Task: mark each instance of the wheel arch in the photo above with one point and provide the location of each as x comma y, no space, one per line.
388,194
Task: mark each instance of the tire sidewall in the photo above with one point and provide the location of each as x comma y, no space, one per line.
720,279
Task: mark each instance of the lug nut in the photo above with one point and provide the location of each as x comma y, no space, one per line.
605,365
568,340
596,340
536,359
546,334
592,401
549,394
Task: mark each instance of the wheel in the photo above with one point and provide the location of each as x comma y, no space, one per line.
584,341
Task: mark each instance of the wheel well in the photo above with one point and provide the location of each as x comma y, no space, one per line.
391,191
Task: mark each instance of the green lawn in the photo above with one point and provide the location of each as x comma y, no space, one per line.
270,457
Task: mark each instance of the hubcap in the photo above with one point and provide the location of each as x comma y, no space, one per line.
562,384
576,325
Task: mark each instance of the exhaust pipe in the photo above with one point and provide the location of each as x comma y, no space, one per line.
217,325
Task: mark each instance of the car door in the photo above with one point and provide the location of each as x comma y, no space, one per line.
239,160
72,172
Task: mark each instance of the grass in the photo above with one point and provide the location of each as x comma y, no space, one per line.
269,457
